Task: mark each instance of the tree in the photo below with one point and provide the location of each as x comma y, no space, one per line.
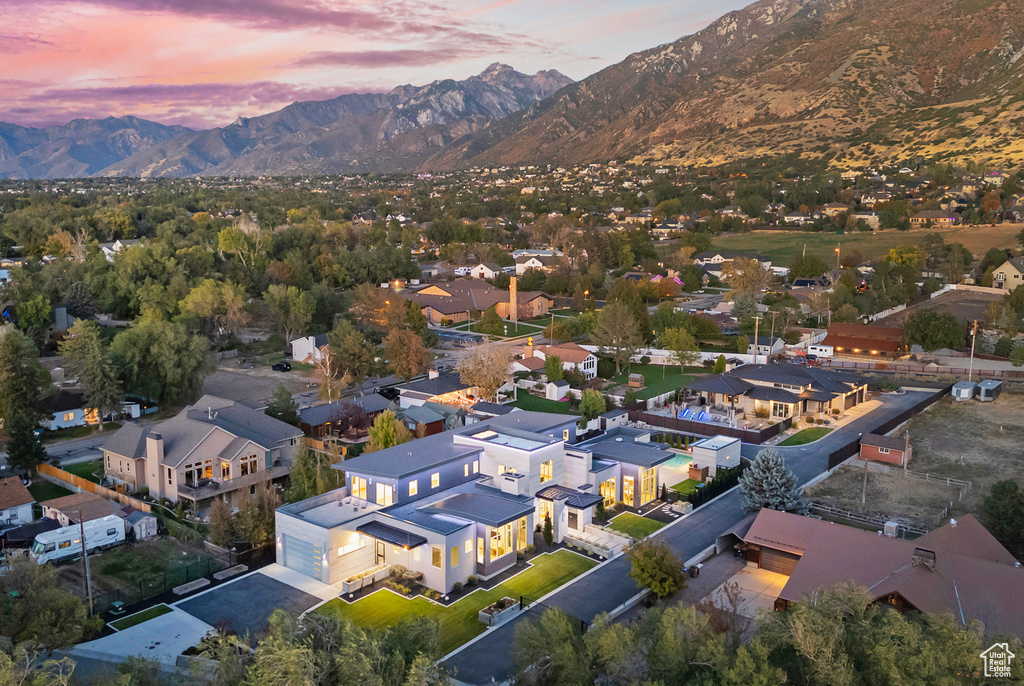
41,610
80,301
744,309
592,404
767,483
212,306
655,567
488,366
405,353
490,323
84,353
550,651
160,359
34,314
354,354
1003,515
22,378
282,406
548,531
1017,355
809,267
747,275
719,365
682,345
386,432
24,449
629,397
222,524
933,330
291,307
311,474
846,314
617,334
254,521
553,369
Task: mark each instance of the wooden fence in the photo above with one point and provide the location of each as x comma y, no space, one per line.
80,484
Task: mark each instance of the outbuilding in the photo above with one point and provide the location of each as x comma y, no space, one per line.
963,390
988,390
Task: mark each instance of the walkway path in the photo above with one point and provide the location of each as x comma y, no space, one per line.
608,586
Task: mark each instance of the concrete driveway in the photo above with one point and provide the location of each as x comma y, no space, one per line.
162,639
758,590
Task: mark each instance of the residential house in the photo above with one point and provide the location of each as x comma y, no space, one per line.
544,263
64,409
215,448
309,349
712,454
421,420
934,218
890,449
1009,274
573,356
455,301
865,340
110,250
463,502
766,346
320,421
485,270
80,507
15,503
783,390
446,388
959,569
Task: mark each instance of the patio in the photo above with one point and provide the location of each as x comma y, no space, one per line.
758,589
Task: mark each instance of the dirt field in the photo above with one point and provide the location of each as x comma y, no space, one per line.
987,436
965,305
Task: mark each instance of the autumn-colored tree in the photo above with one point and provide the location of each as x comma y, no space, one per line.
488,366
405,353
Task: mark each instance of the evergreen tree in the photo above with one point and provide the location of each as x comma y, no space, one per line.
549,534
744,309
85,354
719,365
22,378
553,369
282,406
491,323
24,449
592,404
1017,355
767,483
386,432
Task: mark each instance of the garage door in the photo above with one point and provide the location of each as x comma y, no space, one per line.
778,561
302,556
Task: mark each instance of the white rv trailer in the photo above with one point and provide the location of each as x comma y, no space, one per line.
65,543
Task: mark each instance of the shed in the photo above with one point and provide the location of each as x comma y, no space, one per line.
636,380
963,390
556,390
988,390
142,524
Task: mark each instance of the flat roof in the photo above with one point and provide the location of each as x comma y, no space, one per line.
491,507
716,442
330,509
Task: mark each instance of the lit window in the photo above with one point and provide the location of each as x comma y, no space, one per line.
547,471
469,546
385,494
465,471
415,554
435,556
413,487
435,479
455,556
565,434
476,466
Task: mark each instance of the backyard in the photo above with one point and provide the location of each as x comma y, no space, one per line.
459,622
686,487
78,432
90,471
970,441
534,403
43,490
657,379
635,525
806,436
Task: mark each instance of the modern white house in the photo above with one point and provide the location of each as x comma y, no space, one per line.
719,452
465,501
766,346
15,503
307,349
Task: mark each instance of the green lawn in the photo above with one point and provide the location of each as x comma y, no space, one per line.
77,432
459,621
514,330
635,525
686,487
535,403
42,490
806,436
91,471
140,617
654,383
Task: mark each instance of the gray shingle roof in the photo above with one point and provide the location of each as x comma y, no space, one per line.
410,458
421,415
128,441
445,382
720,383
321,414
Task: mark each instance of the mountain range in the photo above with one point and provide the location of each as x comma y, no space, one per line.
839,82
353,132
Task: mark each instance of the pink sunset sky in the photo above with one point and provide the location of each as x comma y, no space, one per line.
202,63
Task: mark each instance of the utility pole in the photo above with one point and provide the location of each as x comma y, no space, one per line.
757,322
974,337
85,561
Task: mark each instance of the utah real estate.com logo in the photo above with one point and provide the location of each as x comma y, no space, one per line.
997,660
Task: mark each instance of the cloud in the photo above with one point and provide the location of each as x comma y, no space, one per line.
380,59
10,43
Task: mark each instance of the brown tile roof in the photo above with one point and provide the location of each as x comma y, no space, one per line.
879,441
568,352
534,364
91,506
13,493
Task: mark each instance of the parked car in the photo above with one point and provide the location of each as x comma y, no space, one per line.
389,393
282,366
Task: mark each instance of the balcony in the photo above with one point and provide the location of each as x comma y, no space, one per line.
209,488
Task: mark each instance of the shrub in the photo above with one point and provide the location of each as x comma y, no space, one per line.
835,411
456,587
397,587
549,534
605,368
520,555
531,549
398,571
472,580
500,604
761,413
645,360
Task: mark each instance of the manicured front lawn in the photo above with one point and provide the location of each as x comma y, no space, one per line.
657,380
686,487
459,621
635,525
519,329
42,490
534,403
78,432
806,436
91,471
140,617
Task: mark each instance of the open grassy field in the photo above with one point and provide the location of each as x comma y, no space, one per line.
635,525
782,246
806,436
459,622
514,330
986,436
140,617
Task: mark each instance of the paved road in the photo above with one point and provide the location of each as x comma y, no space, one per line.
608,586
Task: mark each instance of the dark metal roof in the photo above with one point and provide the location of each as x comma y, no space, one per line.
493,509
641,454
880,441
321,414
779,395
391,534
572,497
445,382
62,401
720,383
820,396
